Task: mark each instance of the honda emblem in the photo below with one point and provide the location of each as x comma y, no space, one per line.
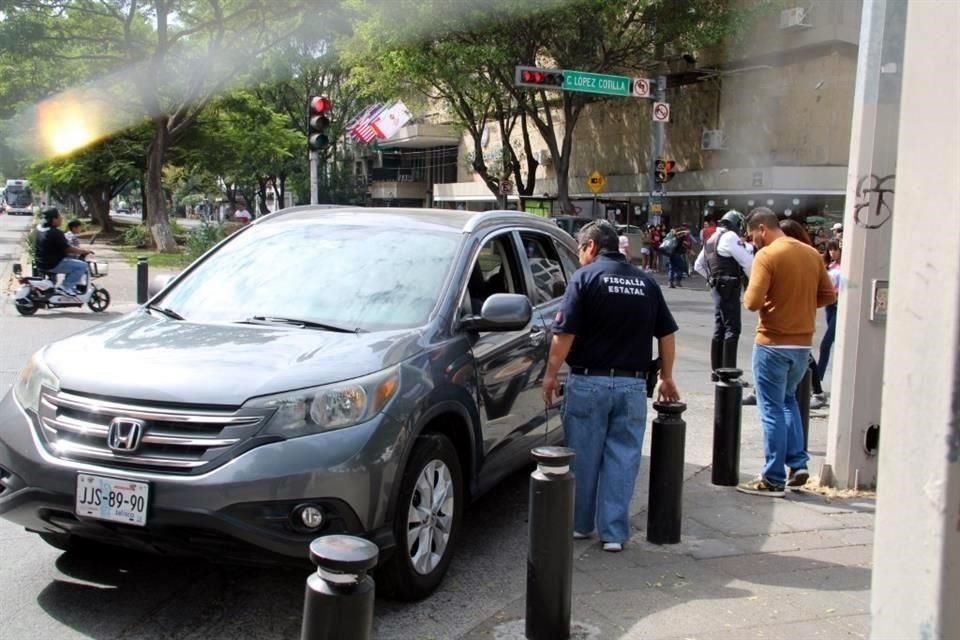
124,434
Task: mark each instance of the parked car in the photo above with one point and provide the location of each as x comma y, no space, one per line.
320,371
571,224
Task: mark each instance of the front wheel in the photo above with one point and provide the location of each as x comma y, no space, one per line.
427,520
26,306
99,300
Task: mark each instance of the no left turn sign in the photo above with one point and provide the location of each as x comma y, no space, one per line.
661,112
641,88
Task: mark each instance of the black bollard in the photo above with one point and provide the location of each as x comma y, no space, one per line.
550,545
665,507
339,601
141,279
728,398
804,389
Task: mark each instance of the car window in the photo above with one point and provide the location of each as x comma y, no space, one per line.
343,274
549,280
495,270
569,260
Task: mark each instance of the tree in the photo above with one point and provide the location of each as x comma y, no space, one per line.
169,58
96,174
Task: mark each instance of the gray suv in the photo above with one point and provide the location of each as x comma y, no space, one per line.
320,371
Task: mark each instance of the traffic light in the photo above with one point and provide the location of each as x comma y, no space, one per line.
538,78
318,122
664,172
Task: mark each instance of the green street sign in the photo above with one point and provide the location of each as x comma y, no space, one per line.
597,83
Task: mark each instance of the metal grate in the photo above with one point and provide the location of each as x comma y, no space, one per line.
181,439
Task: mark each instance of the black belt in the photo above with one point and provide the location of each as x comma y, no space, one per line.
609,373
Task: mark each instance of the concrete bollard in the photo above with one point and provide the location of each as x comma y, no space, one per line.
141,279
727,409
339,600
804,389
550,545
665,507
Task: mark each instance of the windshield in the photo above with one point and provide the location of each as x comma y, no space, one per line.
18,197
351,276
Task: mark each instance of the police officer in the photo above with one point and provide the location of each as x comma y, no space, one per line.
611,313
725,262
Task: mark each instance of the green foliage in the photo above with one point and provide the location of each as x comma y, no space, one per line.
203,238
177,228
137,236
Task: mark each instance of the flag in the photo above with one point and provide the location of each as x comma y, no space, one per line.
362,131
360,116
389,121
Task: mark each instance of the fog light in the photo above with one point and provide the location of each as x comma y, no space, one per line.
310,517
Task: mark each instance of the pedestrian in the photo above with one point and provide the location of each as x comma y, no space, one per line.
610,314
644,249
838,234
656,237
73,228
826,343
241,215
677,256
725,263
624,243
709,228
788,282
53,251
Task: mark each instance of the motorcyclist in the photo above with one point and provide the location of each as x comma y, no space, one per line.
725,262
52,251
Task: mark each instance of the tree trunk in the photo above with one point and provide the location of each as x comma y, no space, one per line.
156,206
262,191
143,198
100,208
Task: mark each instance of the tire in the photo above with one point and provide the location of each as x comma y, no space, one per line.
411,572
26,307
99,300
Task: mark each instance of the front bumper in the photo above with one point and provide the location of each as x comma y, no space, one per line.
239,510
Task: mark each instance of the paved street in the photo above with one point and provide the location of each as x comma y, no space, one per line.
712,583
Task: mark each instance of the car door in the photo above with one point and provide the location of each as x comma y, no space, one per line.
550,265
506,361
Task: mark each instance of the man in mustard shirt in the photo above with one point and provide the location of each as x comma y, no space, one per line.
788,282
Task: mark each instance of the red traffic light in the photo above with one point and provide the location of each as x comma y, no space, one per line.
320,104
532,77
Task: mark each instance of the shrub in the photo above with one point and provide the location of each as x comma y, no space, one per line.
203,237
137,236
176,228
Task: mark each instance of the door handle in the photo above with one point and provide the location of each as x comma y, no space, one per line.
537,336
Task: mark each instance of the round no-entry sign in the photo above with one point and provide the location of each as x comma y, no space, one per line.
641,88
661,112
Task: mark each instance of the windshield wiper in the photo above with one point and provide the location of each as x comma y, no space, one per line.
305,324
170,313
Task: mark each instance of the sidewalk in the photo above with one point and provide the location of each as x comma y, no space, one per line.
746,567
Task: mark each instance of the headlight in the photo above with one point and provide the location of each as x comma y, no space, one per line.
35,374
335,406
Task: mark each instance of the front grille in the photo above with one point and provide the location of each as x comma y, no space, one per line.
181,439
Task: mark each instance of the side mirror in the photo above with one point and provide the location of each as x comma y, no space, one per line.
158,284
501,312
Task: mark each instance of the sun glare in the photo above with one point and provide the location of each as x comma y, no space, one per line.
66,124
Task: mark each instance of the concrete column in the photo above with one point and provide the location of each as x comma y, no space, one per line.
858,356
916,576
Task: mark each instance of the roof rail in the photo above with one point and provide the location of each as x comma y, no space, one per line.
499,216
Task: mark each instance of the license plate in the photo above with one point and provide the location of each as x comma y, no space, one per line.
112,499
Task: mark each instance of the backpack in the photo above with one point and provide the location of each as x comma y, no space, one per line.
669,243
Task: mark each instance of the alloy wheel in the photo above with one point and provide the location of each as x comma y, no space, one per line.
430,517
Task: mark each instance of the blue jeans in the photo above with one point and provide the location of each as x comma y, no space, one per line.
777,374
73,268
604,419
826,343
678,268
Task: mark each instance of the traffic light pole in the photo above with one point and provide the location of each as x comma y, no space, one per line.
314,195
657,134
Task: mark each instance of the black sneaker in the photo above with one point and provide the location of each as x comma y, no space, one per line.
797,479
750,400
760,487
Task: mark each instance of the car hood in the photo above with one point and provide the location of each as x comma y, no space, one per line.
143,357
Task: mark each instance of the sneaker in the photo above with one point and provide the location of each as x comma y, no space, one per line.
579,535
613,547
761,487
797,478
818,400
750,400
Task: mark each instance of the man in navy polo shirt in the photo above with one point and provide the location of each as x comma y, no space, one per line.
611,313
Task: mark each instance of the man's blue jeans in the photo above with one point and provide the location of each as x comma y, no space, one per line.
604,419
826,343
777,374
73,268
